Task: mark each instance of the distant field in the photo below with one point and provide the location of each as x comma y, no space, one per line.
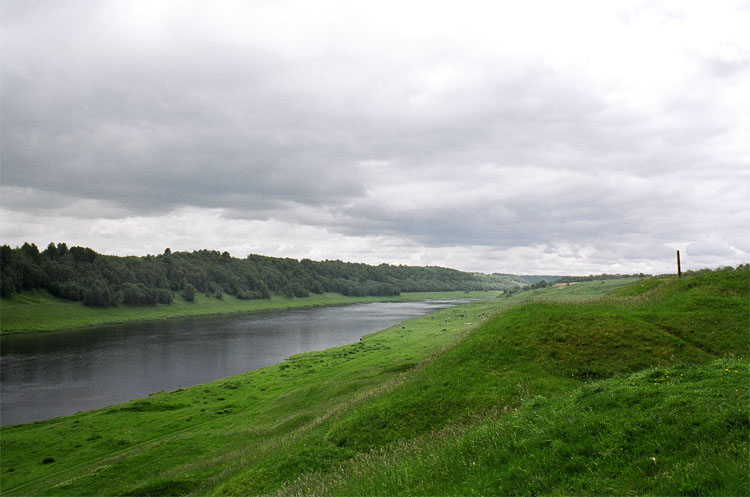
39,311
643,391
581,290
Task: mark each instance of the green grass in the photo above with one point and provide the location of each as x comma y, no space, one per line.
681,430
643,391
39,311
209,432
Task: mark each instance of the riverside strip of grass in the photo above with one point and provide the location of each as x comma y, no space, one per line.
641,392
39,311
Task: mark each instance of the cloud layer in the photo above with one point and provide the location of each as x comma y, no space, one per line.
486,136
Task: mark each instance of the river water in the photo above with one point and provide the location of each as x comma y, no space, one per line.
45,375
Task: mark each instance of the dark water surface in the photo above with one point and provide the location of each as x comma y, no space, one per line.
44,375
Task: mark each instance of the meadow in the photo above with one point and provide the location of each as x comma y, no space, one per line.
600,388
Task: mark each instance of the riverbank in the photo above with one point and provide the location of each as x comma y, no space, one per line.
38,310
196,426
47,375
631,393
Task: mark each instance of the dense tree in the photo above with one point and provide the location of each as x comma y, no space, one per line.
79,273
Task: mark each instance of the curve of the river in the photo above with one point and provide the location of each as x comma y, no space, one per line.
45,375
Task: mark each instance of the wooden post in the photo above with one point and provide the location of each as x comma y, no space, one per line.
679,270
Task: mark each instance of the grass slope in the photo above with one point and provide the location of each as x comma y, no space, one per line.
546,397
38,310
680,430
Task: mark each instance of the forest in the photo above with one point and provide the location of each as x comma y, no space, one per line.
81,274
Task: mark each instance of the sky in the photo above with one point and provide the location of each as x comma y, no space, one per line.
534,137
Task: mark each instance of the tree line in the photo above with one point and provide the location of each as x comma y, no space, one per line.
597,277
81,274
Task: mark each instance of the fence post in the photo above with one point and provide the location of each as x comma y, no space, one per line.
679,270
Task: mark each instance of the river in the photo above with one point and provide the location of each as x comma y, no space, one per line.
45,375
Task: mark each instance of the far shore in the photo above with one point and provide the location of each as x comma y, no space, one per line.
39,311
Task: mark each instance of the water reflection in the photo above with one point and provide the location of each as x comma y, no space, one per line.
44,375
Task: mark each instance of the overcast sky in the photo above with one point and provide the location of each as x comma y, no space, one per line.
526,137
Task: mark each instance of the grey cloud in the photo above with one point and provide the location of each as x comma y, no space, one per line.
710,246
565,207
358,131
236,112
155,129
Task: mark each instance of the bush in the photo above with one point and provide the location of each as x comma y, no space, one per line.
188,292
98,295
162,295
70,290
294,289
137,294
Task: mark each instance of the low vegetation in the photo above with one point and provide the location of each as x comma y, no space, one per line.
643,390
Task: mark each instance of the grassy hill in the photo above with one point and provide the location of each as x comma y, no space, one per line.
680,430
642,391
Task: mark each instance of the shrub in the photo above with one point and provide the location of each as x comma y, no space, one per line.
98,295
188,292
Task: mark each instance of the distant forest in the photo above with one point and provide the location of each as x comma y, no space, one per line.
81,274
